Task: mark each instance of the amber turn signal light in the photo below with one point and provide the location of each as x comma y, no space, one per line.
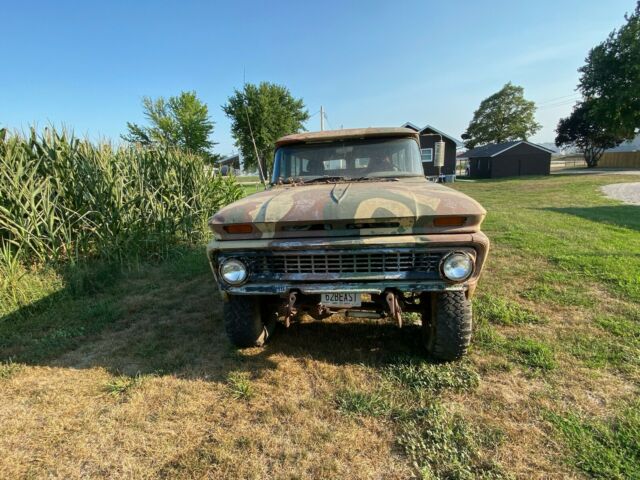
449,221
238,228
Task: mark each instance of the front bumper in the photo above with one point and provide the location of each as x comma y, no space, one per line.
476,241
347,286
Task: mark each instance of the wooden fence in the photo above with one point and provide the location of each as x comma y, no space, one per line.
559,162
620,160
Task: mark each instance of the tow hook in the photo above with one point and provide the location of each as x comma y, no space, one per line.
291,310
394,308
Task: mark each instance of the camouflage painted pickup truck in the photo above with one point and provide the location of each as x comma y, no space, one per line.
350,224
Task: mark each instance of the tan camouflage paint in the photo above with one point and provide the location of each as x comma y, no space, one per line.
413,203
404,209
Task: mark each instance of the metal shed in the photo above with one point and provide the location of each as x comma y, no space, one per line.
508,159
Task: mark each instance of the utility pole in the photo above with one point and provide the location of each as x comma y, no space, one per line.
321,118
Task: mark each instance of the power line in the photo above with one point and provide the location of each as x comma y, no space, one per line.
554,100
324,118
559,104
327,119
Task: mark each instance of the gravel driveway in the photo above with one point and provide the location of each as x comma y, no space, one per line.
625,192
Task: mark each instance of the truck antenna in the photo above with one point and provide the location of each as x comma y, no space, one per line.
245,101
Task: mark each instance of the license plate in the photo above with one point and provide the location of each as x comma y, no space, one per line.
342,300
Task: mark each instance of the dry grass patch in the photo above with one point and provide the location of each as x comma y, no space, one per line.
131,375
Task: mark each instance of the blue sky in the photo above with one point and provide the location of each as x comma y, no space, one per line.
377,63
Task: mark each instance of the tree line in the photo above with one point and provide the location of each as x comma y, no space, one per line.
609,111
259,115
607,114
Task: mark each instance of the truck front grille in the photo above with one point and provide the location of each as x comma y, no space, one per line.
344,264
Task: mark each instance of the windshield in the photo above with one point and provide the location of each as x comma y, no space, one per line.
348,160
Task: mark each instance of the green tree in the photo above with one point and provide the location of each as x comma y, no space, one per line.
585,129
182,122
610,78
504,116
268,111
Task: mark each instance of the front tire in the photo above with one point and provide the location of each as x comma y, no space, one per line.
248,321
446,325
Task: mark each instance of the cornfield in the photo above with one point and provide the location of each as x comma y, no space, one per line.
64,199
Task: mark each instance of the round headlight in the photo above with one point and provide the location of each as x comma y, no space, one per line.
457,266
233,271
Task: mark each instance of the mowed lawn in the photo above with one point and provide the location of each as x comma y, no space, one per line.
109,374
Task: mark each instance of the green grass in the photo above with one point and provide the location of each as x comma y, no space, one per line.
559,288
601,352
568,223
247,178
626,328
122,385
534,355
605,449
239,385
438,443
249,189
33,334
560,293
70,308
502,311
8,368
354,402
423,377
444,445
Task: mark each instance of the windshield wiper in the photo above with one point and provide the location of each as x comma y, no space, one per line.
338,178
374,179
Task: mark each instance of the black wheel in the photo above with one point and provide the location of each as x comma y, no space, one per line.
248,321
446,325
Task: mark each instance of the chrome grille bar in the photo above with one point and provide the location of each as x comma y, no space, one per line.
276,264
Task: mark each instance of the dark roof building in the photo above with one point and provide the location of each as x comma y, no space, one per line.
508,159
231,161
428,137
230,164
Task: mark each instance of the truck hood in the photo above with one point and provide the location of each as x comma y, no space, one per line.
403,206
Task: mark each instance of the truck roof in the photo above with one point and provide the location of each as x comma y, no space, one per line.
347,133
